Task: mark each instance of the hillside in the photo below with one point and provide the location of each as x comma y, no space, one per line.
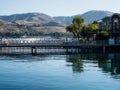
30,23
8,27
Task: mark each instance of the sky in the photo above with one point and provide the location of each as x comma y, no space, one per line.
57,7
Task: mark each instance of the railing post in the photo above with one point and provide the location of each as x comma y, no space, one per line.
33,51
103,49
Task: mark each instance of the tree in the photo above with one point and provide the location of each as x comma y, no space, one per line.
84,32
94,26
92,29
76,27
103,35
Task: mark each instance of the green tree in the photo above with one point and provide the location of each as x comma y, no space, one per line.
94,26
84,32
76,27
103,35
92,29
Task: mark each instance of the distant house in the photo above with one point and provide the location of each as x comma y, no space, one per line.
112,25
105,23
115,28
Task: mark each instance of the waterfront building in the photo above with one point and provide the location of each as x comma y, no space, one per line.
112,25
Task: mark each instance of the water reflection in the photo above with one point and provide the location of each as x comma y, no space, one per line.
60,72
115,64
76,63
107,62
104,62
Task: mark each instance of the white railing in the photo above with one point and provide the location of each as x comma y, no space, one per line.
39,41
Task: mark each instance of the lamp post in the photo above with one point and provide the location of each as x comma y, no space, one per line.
100,24
66,36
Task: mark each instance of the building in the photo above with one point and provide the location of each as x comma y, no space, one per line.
112,25
115,28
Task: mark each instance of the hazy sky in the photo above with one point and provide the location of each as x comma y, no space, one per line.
57,7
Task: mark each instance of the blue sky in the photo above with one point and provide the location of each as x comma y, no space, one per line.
57,7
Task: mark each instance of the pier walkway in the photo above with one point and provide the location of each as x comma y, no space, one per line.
28,46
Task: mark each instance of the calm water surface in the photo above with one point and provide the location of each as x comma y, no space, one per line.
60,72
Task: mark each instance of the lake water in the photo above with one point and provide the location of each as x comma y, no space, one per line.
60,72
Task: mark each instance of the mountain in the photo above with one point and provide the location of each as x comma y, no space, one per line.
28,17
30,23
45,20
89,16
32,18
64,19
94,15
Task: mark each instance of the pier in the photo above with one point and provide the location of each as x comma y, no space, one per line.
55,46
